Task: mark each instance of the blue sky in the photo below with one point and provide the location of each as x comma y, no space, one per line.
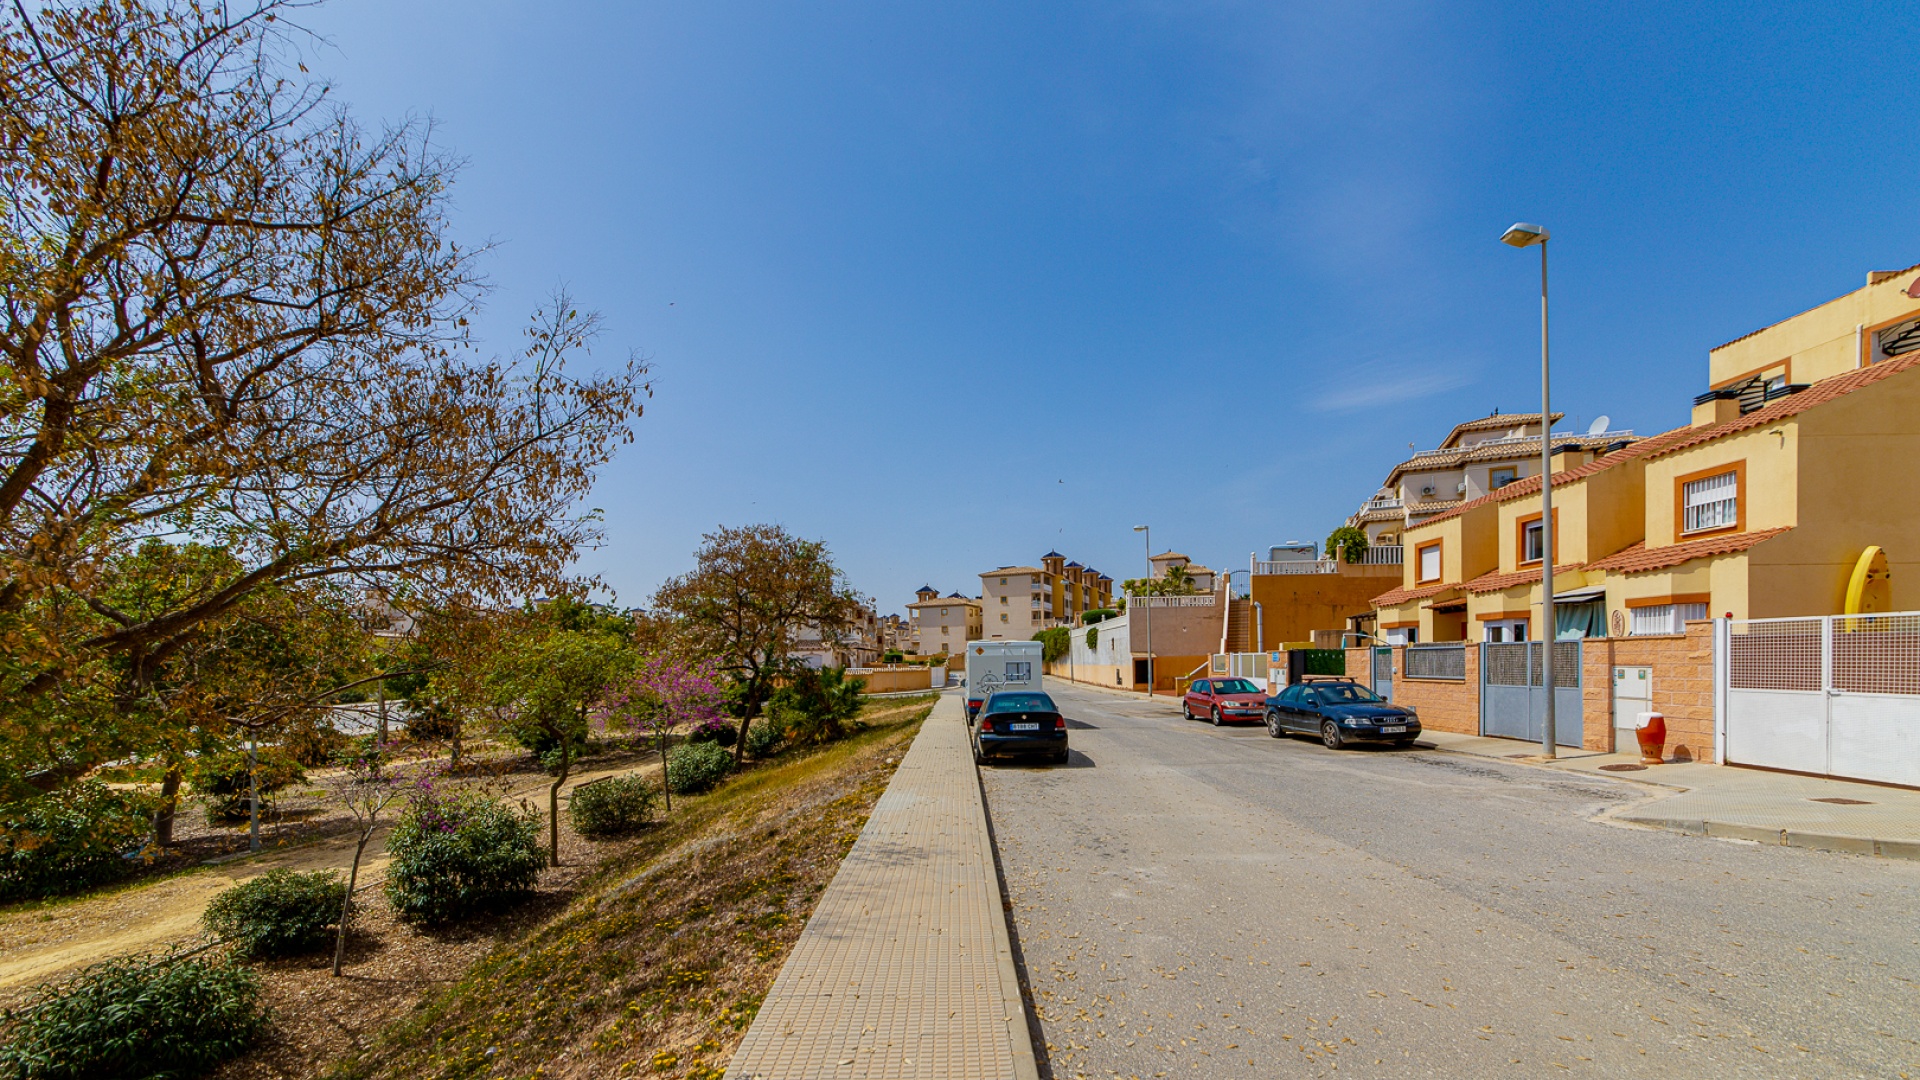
949,286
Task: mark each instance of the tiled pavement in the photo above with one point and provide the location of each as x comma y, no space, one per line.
905,970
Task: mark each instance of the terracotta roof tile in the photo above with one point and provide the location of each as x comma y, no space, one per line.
1393,597
1496,451
1493,423
1640,558
1531,485
1794,404
1495,581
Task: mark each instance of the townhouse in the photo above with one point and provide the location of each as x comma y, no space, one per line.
1020,601
942,625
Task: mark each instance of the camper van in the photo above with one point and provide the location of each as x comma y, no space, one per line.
993,666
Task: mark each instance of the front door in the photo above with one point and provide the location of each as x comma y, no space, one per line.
1383,671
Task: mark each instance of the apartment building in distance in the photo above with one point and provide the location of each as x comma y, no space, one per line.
942,625
1019,601
1476,458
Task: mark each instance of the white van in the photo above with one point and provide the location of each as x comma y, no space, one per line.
1000,665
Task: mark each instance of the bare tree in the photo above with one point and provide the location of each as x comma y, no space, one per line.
370,790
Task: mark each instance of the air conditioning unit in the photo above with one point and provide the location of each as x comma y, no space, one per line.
1428,490
1460,488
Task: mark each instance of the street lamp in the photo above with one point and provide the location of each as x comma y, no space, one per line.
1149,606
1522,235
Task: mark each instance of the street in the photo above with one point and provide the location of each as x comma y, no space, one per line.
1191,901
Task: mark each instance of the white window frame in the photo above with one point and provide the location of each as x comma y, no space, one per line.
1710,503
1664,619
1533,540
1507,629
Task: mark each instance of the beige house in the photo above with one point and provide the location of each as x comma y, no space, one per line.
1476,458
1200,576
942,625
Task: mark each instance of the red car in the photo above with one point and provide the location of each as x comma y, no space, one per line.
1222,700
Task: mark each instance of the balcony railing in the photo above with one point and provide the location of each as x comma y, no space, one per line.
1295,566
1202,600
1384,555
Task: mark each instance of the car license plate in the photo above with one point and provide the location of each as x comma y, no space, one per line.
1036,727
1396,730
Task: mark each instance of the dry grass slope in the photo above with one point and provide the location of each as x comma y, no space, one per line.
659,963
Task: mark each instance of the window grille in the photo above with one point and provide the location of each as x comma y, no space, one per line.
1711,503
1666,618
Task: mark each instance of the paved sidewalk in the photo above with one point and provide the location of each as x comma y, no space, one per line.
905,969
1738,803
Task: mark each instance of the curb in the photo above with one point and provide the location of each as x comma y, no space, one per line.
1774,837
1025,1065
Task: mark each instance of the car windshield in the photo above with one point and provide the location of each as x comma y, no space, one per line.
1020,703
1235,686
1347,694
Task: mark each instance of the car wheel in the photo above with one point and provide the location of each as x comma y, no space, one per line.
1402,744
1330,734
978,757
1273,723
1186,713
1062,757
1216,717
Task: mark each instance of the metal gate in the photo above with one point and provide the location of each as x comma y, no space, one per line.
1383,671
1837,695
1513,695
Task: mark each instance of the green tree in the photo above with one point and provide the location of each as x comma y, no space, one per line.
753,589
1347,544
546,680
1053,643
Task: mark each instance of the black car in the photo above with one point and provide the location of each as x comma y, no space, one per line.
1340,713
1020,722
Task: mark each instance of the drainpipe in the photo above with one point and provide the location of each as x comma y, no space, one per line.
1859,345
1259,635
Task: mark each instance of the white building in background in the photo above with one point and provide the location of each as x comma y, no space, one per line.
942,624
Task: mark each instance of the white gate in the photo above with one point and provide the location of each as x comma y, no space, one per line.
1837,695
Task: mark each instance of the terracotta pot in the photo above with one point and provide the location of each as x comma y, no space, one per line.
1653,740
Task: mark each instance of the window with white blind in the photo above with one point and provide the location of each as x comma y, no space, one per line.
1711,502
1666,618
1430,563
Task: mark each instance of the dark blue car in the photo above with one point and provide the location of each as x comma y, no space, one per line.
1340,712
1020,722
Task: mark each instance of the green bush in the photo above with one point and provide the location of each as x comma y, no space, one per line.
134,1017
814,706
716,731
82,835
1053,643
223,779
696,766
454,855
280,913
764,738
619,804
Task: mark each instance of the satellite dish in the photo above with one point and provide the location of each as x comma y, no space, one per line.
1599,425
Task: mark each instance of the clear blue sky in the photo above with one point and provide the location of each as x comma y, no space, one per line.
947,286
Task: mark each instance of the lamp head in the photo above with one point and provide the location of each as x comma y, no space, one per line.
1139,528
1520,234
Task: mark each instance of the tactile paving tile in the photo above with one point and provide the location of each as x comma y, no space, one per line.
904,970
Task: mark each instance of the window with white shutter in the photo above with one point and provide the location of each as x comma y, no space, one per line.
1430,563
1712,502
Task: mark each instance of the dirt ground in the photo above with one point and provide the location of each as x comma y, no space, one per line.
45,941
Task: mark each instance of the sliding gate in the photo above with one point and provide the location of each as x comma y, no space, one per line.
1513,695
1837,695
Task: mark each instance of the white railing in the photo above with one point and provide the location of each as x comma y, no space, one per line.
1203,600
1522,440
1382,502
1295,566
1383,555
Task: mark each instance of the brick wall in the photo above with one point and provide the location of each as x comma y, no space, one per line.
1443,705
1682,685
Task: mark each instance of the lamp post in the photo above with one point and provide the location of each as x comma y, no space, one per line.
1146,599
1522,235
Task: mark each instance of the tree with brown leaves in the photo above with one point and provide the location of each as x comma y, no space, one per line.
753,590
233,316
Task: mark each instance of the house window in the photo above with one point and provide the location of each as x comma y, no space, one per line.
1500,478
1507,630
943,613
1003,600
1711,502
1532,542
1402,635
1897,340
1429,565
1003,615
1666,618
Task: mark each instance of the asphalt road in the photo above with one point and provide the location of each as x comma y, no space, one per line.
1192,901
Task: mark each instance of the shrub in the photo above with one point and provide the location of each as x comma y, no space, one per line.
620,804
694,767
313,745
132,1016
1053,643
279,913
814,706
764,738
223,778
715,731
82,835
458,854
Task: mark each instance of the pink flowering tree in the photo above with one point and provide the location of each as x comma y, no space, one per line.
664,693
